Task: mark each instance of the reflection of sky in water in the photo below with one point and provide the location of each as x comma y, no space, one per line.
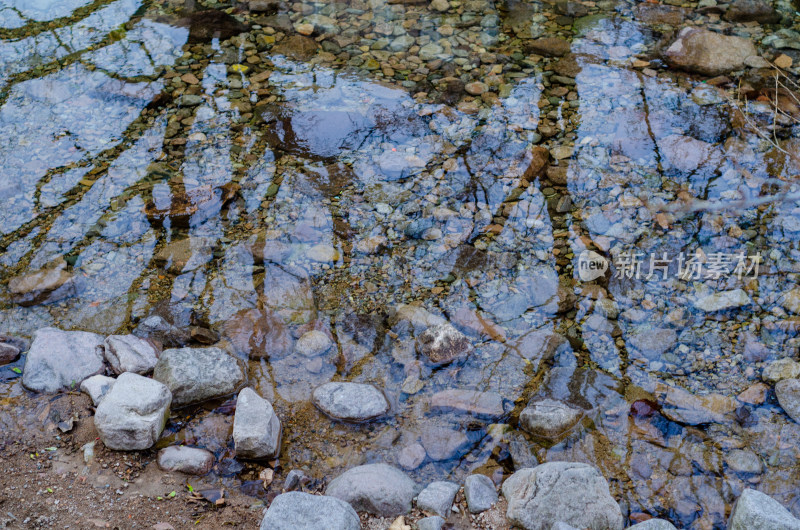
22,55
39,10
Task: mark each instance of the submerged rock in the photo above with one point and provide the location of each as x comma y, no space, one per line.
129,353
743,461
753,510
294,510
709,53
444,443
437,498
411,456
378,489
652,343
133,413
49,284
313,344
350,401
189,460
684,407
653,524
722,301
160,329
780,370
483,404
61,360
443,344
256,427
197,374
574,493
752,11
97,387
788,394
480,493
549,419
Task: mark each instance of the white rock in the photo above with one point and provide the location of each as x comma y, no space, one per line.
133,413
256,427
129,353
755,510
97,387
189,460
61,360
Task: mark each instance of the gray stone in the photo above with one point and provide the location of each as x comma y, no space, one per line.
483,404
129,353
411,456
539,345
754,510
549,419
722,301
313,344
295,480
561,525
190,100
752,11
378,489
681,406
709,53
197,374
743,461
256,427
653,524
443,443
295,510
443,344
61,360
651,342
433,522
437,497
780,370
157,328
97,387
401,43
51,283
189,460
561,491
480,493
133,413
415,316
350,401
790,301
788,394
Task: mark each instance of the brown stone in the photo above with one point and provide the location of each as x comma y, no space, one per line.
550,46
296,47
259,334
473,323
754,395
539,159
42,285
709,53
190,79
659,14
485,404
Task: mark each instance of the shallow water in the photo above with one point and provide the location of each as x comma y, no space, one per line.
141,144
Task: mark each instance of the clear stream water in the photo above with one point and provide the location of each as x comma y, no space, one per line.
212,165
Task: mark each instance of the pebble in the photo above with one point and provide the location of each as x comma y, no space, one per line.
781,369
440,5
444,443
480,493
350,401
313,344
437,498
411,456
723,301
189,460
129,353
256,427
433,522
378,489
97,387
788,393
442,344
549,419
743,461
294,510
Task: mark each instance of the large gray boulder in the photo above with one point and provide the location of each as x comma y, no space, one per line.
350,401
189,460
133,413
61,360
754,509
788,394
294,510
198,374
709,53
379,489
129,353
574,493
256,427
